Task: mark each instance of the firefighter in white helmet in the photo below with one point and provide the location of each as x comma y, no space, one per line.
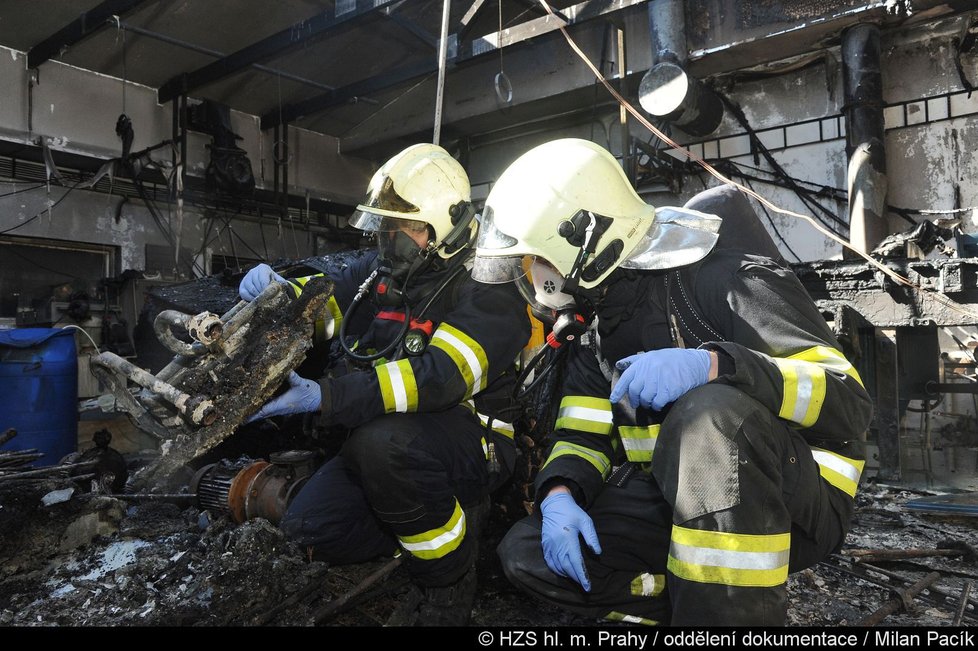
707,441
426,340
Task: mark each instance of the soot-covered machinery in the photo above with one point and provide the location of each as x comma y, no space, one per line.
225,367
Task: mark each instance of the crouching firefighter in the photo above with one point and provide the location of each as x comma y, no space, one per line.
707,441
428,406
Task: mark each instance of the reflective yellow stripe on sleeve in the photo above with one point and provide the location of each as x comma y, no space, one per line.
804,382
498,426
585,414
595,458
638,441
329,325
398,386
804,391
829,358
732,559
437,542
467,354
842,472
300,283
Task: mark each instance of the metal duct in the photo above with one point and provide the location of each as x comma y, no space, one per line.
867,180
667,91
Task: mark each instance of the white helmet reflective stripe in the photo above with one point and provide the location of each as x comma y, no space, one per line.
421,183
567,195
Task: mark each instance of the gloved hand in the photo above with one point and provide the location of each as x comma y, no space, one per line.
658,377
563,522
256,280
303,395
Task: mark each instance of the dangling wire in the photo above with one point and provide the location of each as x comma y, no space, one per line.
504,89
125,76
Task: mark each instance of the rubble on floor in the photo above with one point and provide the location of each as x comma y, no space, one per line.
95,560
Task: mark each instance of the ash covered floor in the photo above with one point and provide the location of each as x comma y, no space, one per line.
100,561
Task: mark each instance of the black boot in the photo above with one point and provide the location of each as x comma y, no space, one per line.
451,605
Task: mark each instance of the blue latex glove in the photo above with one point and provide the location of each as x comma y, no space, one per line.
658,377
563,522
256,280
303,395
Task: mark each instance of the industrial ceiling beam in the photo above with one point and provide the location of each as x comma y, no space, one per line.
298,34
578,13
468,19
409,25
86,24
344,94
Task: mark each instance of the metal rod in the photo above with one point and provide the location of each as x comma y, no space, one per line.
198,409
41,472
963,606
936,589
875,555
442,65
903,600
334,606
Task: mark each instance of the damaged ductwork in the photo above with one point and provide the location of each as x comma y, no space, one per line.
667,90
229,368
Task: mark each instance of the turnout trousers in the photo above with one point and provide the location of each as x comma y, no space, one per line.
401,480
733,501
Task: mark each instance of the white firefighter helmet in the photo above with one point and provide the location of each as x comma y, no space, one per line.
421,185
568,203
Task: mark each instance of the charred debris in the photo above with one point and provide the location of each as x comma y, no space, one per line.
185,534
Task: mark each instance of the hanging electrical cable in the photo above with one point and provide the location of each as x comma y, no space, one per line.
706,166
888,272
774,228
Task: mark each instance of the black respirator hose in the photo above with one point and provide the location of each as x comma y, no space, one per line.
361,294
519,391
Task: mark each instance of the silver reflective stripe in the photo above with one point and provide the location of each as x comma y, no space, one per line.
840,466
638,445
586,413
648,584
439,541
803,395
730,559
397,387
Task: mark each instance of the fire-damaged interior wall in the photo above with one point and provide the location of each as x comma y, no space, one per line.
778,65
795,107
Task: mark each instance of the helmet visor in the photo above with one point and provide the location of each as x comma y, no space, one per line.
373,223
384,198
540,288
490,237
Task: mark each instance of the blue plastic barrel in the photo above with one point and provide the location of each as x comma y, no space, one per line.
39,391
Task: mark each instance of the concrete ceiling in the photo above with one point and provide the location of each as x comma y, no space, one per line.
364,71
324,47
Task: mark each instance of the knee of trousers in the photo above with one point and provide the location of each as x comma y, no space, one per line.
376,450
713,411
520,553
700,446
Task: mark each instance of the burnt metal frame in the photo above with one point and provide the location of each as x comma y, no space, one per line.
464,51
861,298
85,25
301,33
